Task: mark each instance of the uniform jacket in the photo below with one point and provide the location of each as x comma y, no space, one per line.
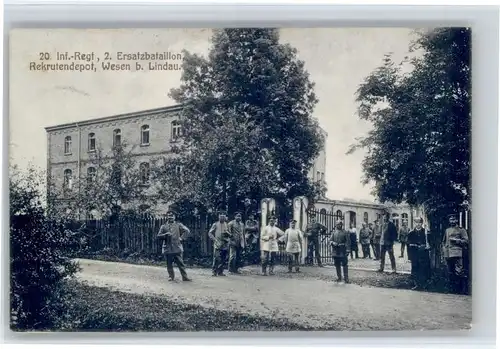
236,231
219,232
340,242
417,243
377,233
171,234
353,237
403,234
365,236
313,230
389,233
293,240
269,238
453,241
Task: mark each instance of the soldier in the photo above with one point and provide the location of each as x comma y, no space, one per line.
403,237
389,235
418,253
313,232
219,234
354,242
236,242
340,243
269,238
455,239
252,239
293,240
171,234
377,233
364,238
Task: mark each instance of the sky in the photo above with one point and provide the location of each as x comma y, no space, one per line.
337,59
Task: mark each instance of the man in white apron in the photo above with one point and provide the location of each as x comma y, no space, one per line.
269,238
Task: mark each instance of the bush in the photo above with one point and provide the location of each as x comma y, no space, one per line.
39,246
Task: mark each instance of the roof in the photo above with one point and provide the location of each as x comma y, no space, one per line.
168,109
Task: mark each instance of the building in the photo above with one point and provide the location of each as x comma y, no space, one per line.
149,133
355,212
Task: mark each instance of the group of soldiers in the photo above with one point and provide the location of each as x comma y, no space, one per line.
232,239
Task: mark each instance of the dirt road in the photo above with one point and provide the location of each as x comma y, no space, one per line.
308,301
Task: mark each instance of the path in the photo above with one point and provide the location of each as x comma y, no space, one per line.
345,306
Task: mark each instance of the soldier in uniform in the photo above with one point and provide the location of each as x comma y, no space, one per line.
377,234
341,245
418,253
171,234
236,242
388,236
455,239
403,237
219,234
269,238
252,239
364,238
293,239
313,232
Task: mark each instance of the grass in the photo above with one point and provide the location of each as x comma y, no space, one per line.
100,309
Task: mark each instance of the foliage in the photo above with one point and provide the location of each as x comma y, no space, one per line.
98,309
247,127
38,255
118,188
419,148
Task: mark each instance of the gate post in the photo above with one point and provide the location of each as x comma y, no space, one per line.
300,204
267,206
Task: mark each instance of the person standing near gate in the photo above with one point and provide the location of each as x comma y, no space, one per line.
252,239
418,253
389,235
403,237
455,239
269,238
313,232
236,242
364,239
293,240
171,234
219,234
377,234
354,241
341,244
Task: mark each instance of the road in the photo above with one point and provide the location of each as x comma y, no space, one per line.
306,301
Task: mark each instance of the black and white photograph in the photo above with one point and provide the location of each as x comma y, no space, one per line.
240,179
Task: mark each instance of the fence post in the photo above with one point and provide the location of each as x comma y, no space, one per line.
300,205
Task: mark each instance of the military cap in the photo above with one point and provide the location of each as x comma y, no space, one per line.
452,215
419,220
172,211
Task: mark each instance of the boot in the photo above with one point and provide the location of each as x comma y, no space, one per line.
271,270
297,269
264,272
339,273
346,274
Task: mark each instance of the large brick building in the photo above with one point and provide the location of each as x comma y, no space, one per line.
149,133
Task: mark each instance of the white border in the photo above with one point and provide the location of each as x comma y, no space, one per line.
484,143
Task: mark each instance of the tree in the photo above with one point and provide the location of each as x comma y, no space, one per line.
247,126
40,249
419,148
113,184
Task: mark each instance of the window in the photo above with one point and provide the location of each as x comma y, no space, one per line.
338,216
68,179
176,129
117,137
365,217
145,135
91,175
67,145
91,141
322,176
144,169
318,176
322,216
404,218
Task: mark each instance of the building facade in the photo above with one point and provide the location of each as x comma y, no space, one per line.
148,134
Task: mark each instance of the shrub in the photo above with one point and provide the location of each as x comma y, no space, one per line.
38,255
